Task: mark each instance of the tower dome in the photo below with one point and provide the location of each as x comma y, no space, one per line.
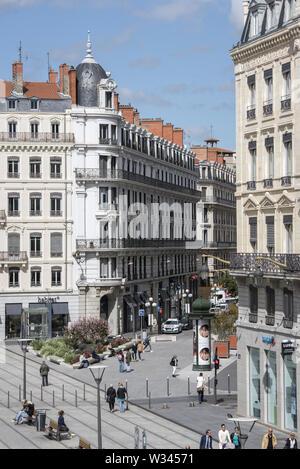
88,76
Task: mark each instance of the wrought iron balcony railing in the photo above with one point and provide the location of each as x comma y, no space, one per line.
251,112
288,323
270,320
251,185
286,103
268,108
268,183
253,317
248,262
96,174
39,137
13,257
218,200
127,243
286,181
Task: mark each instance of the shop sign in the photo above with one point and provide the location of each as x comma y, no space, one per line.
287,347
269,340
47,299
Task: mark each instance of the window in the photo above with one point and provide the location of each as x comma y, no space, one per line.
34,104
108,99
13,168
13,243
286,73
253,165
269,86
35,245
104,138
270,161
288,159
56,245
104,267
55,130
34,129
270,234
13,205
35,168
12,104
270,301
14,277
253,299
56,276
288,223
114,133
252,91
55,168
35,277
253,232
35,205
288,305
12,129
55,205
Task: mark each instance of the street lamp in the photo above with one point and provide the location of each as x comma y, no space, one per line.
204,273
23,344
97,373
150,304
80,260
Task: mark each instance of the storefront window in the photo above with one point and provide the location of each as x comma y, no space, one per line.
290,393
271,387
254,382
13,320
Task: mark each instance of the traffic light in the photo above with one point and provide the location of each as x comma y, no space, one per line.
217,363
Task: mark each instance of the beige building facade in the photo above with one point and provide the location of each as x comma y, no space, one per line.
267,263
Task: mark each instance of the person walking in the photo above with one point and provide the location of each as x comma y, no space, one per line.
206,440
121,361
44,371
200,387
235,438
140,350
291,442
269,440
224,437
134,351
121,395
128,360
147,343
174,364
111,397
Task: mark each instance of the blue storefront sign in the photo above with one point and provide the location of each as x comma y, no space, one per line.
269,340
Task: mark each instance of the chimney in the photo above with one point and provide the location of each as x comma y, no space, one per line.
53,76
178,137
246,10
17,75
116,101
64,79
72,85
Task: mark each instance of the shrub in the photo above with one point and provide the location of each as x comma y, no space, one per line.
55,347
37,344
225,322
118,342
86,331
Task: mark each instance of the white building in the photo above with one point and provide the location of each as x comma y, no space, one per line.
267,263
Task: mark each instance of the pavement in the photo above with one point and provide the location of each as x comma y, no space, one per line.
172,427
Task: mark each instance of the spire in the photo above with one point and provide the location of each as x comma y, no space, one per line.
89,58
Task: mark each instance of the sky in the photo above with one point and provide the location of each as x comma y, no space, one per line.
170,58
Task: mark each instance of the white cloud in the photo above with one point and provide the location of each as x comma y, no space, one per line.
146,62
13,4
236,14
136,97
173,10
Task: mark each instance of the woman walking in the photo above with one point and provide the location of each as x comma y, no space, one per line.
174,364
140,350
111,397
128,360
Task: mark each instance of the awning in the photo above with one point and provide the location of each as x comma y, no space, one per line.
144,297
13,309
164,295
60,308
129,301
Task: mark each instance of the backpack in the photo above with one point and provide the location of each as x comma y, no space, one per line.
172,362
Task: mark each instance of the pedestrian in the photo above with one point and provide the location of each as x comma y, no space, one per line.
206,440
134,351
128,360
147,343
174,364
291,442
269,441
111,397
224,437
44,371
96,357
235,438
121,361
121,395
62,427
200,387
140,349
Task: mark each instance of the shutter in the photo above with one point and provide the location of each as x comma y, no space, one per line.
270,232
288,219
287,137
253,229
56,243
286,67
268,73
13,243
251,80
252,145
269,142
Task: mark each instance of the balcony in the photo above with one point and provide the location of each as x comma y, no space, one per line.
270,320
218,200
96,174
268,108
268,183
286,103
13,175
42,137
108,207
35,213
13,258
13,213
251,185
55,213
253,317
96,244
288,323
286,181
251,112
248,263
35,253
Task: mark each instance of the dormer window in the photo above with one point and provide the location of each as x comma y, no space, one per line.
108,99
254,24
33,104
272,14
12,104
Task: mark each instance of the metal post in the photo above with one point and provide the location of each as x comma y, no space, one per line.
147,387
136,438
144,440
63,393
189,386
76,404
215,380
8,403
208,384
53,399
99,415
84,392
41,392
20,392
168,386
228,379
24,373
149,400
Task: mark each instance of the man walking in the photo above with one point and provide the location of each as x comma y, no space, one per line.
200,387
44,371
147,343
121,395
224,437
206,440
128,360
269,440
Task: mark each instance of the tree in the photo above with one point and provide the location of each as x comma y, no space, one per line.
230,284
225,322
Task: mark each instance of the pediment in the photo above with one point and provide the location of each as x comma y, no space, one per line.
285,201
266,203
250,205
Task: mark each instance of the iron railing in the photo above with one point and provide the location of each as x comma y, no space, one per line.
14,257
286,103
127,243
36,137
248,262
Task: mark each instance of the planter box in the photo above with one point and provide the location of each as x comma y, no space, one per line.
223,348
232,342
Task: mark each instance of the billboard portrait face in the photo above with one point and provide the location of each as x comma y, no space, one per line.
204,343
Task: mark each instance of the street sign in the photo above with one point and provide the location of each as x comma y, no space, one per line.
141,312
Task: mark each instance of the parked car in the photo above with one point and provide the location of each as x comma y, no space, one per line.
171,326
186,322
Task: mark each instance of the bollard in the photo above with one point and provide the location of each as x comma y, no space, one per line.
149,400
20,392
30,396
208,384
126,385
144,440
63,393
147,387
189,386
228,379
136,438
84,392
8,403
53,399
168,386
105,389
76,398
41,392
